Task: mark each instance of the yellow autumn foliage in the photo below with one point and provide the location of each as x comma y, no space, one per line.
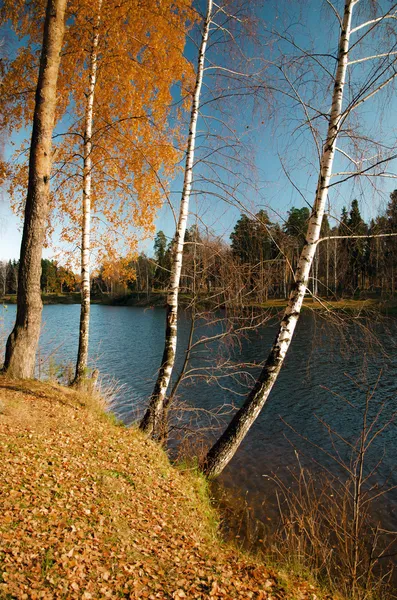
140,59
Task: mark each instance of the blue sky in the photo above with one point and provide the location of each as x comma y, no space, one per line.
277,166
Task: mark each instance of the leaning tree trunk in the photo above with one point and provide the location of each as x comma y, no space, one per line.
82,355
151,422
224,449
23,341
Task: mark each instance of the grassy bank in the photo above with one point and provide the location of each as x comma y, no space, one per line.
90,509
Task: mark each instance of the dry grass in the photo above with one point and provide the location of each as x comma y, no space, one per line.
92,510
343,304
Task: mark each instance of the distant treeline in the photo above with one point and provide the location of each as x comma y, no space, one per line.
257,264
55,279
262,256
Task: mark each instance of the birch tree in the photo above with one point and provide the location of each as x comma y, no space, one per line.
22,342
151,421
225,447
124,138
120,147
82,355
214,151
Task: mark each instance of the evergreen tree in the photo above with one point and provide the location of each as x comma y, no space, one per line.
296,224
358,248
342,265
241,238
251,241
391,249
160,246
162,256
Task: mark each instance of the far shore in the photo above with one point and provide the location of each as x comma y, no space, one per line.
158,299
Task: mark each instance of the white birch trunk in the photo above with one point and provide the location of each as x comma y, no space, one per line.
226,446
82,355
151,421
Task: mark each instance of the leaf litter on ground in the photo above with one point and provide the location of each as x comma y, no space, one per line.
89,510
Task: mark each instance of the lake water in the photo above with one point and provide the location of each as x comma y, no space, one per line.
323,375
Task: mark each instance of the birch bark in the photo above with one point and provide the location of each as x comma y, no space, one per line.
23,341
151,422
226,446
82,355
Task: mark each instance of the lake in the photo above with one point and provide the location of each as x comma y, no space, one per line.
329,367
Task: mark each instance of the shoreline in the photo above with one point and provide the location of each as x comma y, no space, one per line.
158,300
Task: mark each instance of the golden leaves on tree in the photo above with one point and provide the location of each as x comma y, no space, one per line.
139,59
